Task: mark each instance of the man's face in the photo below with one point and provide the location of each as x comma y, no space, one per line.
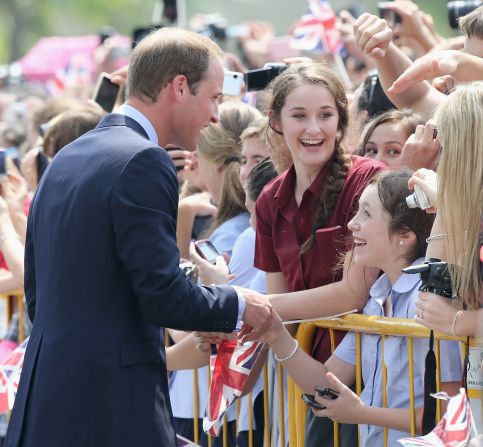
200,109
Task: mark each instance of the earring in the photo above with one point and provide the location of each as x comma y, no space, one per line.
401,243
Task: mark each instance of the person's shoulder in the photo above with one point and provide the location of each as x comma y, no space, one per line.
270,190
363,165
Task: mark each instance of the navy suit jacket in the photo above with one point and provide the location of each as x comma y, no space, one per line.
101,278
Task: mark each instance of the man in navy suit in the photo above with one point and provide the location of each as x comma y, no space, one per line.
101,269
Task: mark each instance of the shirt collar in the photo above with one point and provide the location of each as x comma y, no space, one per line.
141,119
405,283
286,189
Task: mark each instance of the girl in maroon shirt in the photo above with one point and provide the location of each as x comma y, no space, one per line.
302,215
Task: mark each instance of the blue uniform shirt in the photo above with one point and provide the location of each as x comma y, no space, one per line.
402,305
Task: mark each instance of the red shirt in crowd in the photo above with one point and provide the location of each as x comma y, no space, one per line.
282,227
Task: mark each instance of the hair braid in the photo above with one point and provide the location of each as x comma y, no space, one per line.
339,167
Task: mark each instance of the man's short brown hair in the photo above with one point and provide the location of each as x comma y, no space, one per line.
472,24
165,54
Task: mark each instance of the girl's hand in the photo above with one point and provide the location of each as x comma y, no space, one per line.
435,312
427,180
271,334
373,35
347,408
211,273
421,149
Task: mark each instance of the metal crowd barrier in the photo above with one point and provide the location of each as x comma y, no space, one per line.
297,409
383,326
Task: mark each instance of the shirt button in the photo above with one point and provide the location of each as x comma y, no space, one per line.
302,220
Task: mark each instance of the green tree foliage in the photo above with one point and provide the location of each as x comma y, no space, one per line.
23,22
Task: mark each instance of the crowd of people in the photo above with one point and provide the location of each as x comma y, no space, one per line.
300,187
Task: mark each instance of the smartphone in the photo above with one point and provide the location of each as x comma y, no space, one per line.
260,78
390,16
328,393
309,399
105,92
207,250
232,84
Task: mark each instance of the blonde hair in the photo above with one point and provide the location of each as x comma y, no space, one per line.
220,144
460,194
472,24
257,130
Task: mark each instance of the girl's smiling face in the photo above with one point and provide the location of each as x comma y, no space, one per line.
373,245
309,121
386,143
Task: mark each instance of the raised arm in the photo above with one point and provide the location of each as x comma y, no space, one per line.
461,66
373,36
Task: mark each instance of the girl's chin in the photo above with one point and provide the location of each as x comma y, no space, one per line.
362,261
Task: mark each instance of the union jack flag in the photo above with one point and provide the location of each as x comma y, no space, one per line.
454,430
316,31
230,367
10,370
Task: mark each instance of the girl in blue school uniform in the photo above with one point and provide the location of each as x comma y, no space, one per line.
390,236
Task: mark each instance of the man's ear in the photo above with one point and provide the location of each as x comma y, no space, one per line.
179,86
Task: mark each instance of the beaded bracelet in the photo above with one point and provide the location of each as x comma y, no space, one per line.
284,359
437,237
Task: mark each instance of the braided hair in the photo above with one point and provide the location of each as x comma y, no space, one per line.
316,73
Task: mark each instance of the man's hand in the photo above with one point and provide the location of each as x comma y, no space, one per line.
257,313
373,35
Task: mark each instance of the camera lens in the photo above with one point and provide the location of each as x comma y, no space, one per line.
459,8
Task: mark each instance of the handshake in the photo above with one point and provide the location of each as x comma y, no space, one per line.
260,322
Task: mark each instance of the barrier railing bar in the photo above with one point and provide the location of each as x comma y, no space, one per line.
412,409
384,383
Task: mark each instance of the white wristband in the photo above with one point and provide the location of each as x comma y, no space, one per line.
284,359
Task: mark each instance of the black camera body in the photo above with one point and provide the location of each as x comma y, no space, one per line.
260,78
459,8
435,277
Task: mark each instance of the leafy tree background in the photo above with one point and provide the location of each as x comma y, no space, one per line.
23,22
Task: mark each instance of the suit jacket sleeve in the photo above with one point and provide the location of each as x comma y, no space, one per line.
144,203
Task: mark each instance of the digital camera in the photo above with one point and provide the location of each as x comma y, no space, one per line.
435,277
459,8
